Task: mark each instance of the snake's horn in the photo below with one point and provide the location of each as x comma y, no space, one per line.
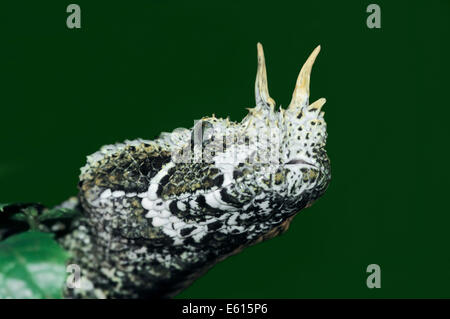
317,105
261,89
301,93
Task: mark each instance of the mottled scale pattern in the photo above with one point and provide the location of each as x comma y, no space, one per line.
158,214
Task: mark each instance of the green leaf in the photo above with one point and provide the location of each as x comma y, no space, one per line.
21,217
58,213
29,215
35,215
32,265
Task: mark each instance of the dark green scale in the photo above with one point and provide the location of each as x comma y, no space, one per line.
129,170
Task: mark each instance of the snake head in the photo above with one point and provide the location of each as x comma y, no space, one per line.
160,212
290,142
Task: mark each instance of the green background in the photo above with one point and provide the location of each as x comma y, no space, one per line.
137,68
